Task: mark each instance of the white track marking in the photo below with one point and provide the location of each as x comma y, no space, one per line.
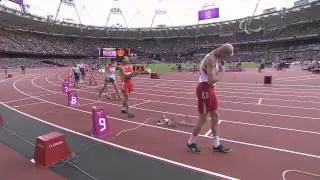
234,91
243,111
30,97
163,102
221,86
145,102
125,148
299,172
60,75
260,100
13,78
131,129
244,97
220,89
304,79
230,83
173,130
227,89
296,77
85,104
271,127
250,124
29,104
209,132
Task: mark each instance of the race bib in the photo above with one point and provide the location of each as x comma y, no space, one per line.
205,95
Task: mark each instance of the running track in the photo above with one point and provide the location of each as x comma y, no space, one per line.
271,129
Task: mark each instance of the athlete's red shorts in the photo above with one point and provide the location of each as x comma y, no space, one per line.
207,100
127,87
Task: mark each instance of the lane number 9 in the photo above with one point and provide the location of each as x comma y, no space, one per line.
102,122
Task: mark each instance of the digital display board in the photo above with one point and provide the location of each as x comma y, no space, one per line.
123,52
109,52
208,14
115,52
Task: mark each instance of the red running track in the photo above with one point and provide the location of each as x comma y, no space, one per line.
271,129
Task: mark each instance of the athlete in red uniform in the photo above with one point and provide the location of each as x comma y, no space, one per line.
210,70
126,71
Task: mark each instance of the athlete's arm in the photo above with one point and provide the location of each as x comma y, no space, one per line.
211,70
71,72
106,70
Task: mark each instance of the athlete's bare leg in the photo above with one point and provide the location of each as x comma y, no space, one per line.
215,123
115,87
125,105
217,146
105,88
201,121
125,102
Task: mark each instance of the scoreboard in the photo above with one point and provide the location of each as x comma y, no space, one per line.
114,52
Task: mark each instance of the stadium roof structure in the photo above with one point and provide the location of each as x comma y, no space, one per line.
13,19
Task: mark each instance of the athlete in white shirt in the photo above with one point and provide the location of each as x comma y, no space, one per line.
76,74
210,70
110,76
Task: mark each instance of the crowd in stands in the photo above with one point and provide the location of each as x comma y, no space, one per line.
18,41
18,62
13,63
267,43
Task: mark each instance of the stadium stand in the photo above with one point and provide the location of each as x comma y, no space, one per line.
295,32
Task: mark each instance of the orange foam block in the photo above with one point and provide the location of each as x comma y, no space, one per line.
50,149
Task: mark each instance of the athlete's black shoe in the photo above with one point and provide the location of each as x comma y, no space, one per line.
193,148
221,148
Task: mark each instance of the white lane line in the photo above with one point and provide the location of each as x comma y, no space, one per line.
145,102
241,97
271,127
29,104
249,124
224,109
209,132
296,77
30,97
173,130
112,144
230,83
93,102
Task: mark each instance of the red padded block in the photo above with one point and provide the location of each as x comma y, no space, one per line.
267,79
155,76
1,120
138,68
50,149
